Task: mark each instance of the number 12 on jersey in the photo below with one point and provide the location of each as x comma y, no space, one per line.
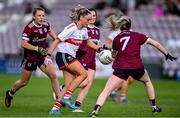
125,42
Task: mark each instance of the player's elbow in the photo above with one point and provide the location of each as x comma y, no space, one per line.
23,43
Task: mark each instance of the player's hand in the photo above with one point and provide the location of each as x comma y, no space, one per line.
48,60
80,53
168,56
41,50
100,49
104,47
114,53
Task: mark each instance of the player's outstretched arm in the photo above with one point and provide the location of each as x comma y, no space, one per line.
52,34
25,44
162,49
53,46
94,46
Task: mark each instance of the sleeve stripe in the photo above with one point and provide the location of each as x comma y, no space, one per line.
25,38
58,39
147,40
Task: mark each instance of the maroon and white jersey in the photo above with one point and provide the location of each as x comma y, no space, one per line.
36,36
128,45
94,36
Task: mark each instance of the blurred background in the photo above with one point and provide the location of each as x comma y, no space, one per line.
159,19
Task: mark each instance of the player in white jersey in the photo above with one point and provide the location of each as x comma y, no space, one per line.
124,86
68,42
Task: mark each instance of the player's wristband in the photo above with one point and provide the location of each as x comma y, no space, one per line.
36,48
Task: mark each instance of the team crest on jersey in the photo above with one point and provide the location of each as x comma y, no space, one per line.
70,58
40,31
45,29
97,33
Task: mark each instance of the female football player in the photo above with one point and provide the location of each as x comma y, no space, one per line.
128,62
124,86
68,42
86,56
34,44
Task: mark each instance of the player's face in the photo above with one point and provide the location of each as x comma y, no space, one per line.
39,17
93,20
86,19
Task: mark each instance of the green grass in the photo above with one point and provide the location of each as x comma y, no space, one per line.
35,100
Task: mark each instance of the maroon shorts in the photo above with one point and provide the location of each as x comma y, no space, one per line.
31,65
125,73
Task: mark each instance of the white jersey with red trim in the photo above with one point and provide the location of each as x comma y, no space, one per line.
113,34
71,38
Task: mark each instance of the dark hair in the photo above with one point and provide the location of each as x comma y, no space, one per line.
91,9
37,9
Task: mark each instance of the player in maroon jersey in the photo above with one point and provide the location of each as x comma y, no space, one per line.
86,55
125,84
128,62
34,44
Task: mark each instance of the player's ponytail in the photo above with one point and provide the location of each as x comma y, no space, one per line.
111,23
114,22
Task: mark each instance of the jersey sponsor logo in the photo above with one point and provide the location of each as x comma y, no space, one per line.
38,40
74,41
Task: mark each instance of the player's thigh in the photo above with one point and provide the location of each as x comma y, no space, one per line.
27,68
112,83
145,77
47,69
77,68
68,77
89,79
91,74
26,74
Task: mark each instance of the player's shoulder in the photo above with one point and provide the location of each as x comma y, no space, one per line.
136,33
95,27
45,23
30,25
71,26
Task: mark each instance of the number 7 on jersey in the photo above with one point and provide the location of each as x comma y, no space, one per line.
125,42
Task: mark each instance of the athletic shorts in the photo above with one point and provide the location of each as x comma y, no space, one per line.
63,60
31,65
88,65
125,73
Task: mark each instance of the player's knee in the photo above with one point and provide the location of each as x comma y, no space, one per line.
84,75
52,76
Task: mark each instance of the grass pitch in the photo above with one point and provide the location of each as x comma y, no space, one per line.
35,100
